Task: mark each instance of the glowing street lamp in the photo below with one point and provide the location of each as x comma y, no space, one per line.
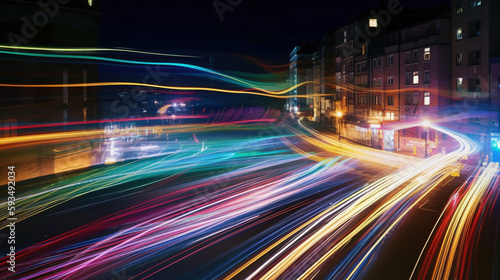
339,116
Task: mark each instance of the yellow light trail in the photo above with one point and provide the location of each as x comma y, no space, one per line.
93,50
461,222
268,93
50,136
351,207
331,143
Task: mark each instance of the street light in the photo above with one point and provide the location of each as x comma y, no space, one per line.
426,125
339,115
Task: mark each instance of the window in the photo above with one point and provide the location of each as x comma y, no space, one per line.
361,99
379,62
390,100
427,30
379,82
427,77
409,35
474,58
343,69
459,83
345,36
351,61
460,8
459,33
459,59
390,81
474,85
374,82
408,58
376,100
415,56
373,22
415,78
427,98
427,53
390,60
415,98
375,63
363,50
408,78
474,3
351,77
408,98
474,28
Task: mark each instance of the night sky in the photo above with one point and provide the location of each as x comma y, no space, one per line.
260,28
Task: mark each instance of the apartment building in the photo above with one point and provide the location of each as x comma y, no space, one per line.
475,43
301,70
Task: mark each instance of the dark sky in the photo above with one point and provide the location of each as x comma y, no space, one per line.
264,28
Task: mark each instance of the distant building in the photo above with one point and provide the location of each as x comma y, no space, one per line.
300,71
47,24
319,83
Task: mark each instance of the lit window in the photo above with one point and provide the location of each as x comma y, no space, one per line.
474,3
427,53
427,98
415,78
90,2
387,116
392,116
373,22
459,33
459,83
460,9
363,50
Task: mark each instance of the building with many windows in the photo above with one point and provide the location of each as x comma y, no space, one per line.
475,26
